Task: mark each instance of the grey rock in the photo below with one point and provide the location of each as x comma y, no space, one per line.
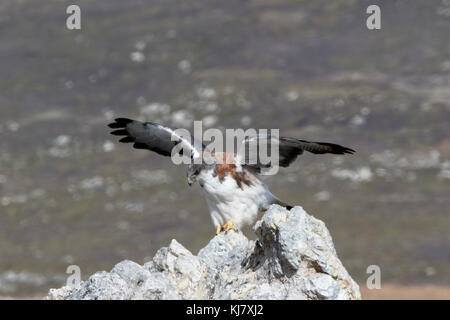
292,258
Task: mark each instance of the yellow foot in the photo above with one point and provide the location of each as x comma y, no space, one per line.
218,229
229,225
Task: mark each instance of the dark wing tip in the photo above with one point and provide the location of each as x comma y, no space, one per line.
120,132
123,120
349,151
119,123
138,145
338,149
140,135
344,150
115,125
127,139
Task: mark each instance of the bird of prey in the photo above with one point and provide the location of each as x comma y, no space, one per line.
234,193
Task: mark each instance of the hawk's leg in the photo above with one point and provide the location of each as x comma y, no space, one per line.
218,229
229,225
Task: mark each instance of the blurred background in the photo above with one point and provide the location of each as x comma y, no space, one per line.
70,194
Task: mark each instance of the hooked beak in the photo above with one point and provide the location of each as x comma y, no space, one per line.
191,180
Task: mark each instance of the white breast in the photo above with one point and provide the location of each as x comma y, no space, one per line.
226,200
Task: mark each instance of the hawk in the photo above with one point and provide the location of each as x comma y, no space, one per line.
234,193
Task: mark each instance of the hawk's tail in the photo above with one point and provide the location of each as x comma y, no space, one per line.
283,204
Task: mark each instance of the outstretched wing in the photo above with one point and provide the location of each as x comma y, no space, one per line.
288,149
155,137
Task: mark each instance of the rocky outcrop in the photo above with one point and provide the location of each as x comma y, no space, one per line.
293,258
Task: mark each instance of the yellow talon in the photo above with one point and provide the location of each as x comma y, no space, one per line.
229,225
218,229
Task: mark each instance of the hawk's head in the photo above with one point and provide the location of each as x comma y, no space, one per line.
208,162
192,173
